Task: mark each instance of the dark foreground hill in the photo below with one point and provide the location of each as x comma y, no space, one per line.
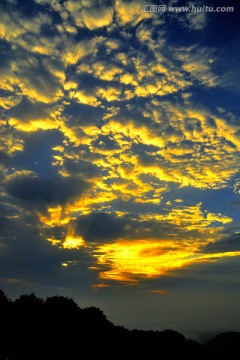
57,329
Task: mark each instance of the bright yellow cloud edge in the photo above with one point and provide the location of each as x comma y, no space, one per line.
131,261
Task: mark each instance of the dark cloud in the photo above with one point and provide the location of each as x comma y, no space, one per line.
4,224
146,159
206,275
133,114
5,54
40,191
104,227
227,244
42,84
81,114
37,154
80,167
28,8
27,110
101,227
103,142
4,159
27,259
146,154
143,148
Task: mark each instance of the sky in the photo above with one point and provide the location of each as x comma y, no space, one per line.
119,159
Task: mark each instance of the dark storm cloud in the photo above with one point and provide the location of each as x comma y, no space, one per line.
227,244
40,191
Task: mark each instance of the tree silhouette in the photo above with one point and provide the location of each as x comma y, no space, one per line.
5,321
224,346
57,328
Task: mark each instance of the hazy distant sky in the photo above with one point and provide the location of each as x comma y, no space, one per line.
119,159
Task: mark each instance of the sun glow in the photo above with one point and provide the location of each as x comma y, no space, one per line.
131,261
73,242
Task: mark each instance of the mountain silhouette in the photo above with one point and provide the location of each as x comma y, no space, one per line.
57,328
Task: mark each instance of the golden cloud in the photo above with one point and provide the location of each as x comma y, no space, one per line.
130,12
95,18
132,261
73,52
